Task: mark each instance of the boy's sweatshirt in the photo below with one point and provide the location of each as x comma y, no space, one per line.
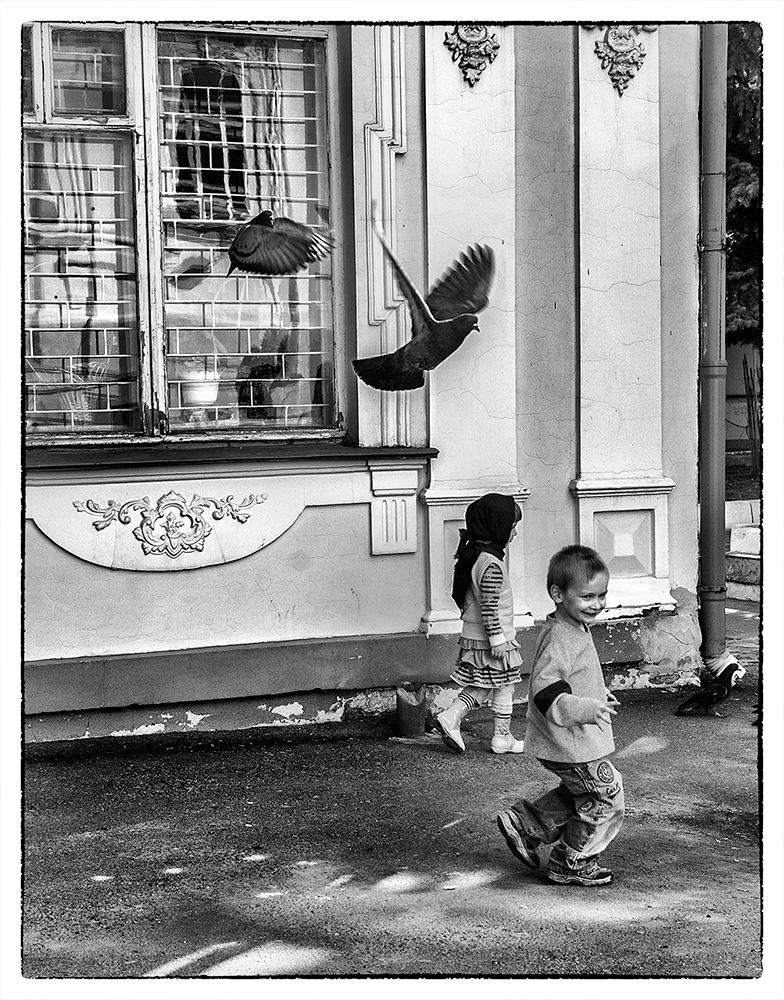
566,681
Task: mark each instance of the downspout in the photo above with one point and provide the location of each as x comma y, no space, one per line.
713,364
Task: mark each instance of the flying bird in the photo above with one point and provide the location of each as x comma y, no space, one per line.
439,324
269,245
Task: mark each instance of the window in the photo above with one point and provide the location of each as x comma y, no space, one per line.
146,149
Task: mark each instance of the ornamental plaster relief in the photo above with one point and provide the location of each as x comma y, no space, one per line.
472,47
620,51
167,526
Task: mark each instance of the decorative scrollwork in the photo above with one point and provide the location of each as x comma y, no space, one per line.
620,52
173,525
472,47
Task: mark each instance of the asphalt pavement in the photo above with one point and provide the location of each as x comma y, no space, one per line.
342,850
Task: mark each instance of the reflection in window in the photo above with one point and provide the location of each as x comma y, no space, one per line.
27,68
81,353
243,128
88,69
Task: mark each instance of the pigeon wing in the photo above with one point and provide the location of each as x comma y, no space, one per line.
283,249
421,317
465,286
314,244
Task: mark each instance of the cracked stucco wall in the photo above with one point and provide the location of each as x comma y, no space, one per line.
546,309
318,579
545,296
679,55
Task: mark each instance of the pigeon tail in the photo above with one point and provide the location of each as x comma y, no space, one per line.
383,372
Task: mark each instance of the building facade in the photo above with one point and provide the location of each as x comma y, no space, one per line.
224,528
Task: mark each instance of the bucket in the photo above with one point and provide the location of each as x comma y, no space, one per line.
411,709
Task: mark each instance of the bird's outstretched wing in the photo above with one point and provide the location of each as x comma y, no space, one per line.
284,248
421,317
465,286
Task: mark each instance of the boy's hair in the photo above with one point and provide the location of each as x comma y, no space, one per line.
574,564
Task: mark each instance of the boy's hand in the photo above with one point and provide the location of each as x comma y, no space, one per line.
499,652
612,700
604,712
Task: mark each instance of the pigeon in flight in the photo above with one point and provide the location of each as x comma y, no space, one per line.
267,245
439,324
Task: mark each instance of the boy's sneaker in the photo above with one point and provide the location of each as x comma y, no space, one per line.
522,846
589,875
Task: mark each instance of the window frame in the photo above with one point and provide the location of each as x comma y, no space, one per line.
142,123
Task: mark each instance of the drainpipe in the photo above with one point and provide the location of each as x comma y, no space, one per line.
719,662
713,364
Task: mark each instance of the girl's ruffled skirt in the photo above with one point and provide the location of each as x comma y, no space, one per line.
477,668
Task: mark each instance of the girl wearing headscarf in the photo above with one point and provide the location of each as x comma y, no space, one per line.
489,660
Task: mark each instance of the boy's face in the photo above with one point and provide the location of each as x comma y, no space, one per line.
581,603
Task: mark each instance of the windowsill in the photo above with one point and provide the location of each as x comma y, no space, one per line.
179,451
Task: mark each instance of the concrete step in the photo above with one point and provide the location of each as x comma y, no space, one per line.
743,567
744,591
745,538
742,512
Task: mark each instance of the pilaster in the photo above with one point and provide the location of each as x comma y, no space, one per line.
471,162
621,491
387,419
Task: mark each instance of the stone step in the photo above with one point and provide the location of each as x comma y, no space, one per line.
741,512
744,591
743,567
745,538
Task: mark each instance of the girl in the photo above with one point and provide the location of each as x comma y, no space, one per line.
489,660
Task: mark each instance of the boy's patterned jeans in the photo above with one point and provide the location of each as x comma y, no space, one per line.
581,816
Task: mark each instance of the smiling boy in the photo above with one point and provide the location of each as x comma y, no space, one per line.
570,732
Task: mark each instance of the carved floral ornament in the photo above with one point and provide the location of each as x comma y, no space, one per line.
472,47
173,525
620,52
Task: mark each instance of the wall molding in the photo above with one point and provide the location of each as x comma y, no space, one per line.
385,140
623,487
627,522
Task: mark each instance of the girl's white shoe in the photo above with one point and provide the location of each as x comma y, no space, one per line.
506,743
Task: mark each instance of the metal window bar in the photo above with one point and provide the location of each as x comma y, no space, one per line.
80,280
224,156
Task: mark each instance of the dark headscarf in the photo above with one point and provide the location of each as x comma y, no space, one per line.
489,523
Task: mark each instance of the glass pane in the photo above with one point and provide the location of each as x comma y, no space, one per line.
243,128
88,70
81,352
27,68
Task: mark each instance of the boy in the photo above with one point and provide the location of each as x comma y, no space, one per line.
570,731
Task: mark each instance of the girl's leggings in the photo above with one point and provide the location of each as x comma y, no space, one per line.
500,698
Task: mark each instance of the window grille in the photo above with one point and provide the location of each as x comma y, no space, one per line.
80,284
126,287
